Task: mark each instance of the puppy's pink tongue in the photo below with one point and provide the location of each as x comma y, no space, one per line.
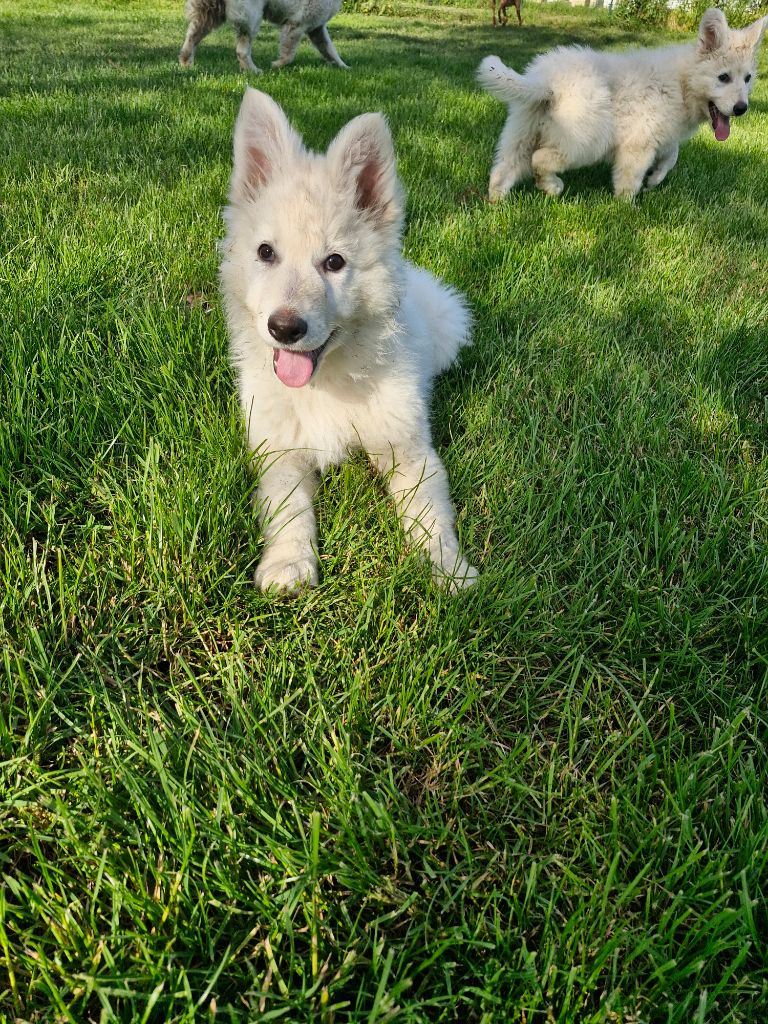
293,368
722,127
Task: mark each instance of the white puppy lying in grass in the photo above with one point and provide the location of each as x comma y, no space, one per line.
335,337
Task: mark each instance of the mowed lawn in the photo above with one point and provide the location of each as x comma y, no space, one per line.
542,800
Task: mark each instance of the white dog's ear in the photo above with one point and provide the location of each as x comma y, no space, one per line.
753,34
363,158
264,142
713,30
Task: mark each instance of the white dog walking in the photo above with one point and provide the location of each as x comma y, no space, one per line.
335,337
295,18
575,106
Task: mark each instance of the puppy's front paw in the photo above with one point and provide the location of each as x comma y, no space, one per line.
454,576
286,575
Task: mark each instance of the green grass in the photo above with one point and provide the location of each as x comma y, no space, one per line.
543,800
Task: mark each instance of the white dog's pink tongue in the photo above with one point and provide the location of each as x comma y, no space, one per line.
722,126
293,368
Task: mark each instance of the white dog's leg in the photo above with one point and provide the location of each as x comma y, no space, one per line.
505,175
195,33
284,498
546,162
629,170
665,161
290,37
322,42
419,485
200,24
513,158
245,16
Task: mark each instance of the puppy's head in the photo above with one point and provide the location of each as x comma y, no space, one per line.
726,68
313,240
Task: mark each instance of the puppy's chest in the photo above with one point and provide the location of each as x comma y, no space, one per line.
315,421
329,425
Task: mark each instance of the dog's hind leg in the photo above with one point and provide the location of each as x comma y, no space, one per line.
513,157
546,162
200,24
665,161
322,42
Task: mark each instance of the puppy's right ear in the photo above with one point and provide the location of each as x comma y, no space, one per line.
713,30
264,142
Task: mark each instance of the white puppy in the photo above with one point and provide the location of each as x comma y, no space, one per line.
335,337
295,18
575,106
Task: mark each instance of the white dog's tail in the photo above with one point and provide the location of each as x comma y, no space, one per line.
505,84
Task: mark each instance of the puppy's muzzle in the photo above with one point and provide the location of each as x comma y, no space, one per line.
739,109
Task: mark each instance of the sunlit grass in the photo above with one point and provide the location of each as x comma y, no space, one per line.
543,800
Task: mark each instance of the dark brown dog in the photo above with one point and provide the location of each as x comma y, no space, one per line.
503,5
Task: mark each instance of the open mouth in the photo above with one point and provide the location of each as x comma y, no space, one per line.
295,369
721,123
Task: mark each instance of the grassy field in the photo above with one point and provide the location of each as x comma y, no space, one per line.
543,800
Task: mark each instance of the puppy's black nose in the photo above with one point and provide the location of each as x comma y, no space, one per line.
286,326
739,109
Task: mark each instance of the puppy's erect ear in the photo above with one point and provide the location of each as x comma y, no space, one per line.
713,30
753,34
363,158
264,142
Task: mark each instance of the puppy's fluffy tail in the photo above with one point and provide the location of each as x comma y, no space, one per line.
506,85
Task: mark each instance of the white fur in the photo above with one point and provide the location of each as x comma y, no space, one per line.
575,106
392,326
295,18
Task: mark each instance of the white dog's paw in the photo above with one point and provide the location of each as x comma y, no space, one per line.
286,576
551,184
454,576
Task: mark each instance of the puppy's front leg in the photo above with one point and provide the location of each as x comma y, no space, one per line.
629,170
419,484
284,496
665,161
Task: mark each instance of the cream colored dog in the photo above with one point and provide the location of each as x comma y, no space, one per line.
575,106
295,18
335,337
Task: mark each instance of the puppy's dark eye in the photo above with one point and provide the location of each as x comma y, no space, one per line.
725,77
747,78
334,262
266,253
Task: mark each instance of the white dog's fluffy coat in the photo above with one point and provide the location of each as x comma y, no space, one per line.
335,337
575,106
295,18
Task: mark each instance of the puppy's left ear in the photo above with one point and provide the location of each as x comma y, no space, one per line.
753,34
363,158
